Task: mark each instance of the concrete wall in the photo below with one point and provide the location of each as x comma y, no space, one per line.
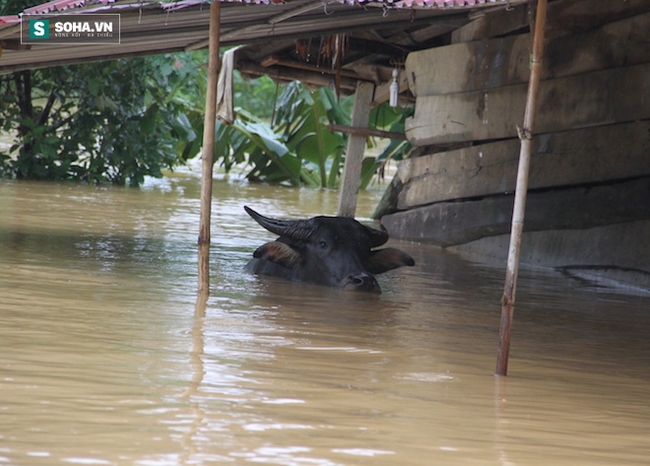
589,200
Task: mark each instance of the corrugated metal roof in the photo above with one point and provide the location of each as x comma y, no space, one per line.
380,32
6,20
60,5
65,5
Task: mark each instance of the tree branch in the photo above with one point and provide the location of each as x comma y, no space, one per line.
45,113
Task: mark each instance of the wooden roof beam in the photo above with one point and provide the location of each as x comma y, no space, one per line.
232,34
307,77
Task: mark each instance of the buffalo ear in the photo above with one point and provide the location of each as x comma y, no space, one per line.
279,253
383,260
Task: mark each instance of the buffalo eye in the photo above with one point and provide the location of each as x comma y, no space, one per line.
322,245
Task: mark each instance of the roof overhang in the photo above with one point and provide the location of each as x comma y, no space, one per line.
378,32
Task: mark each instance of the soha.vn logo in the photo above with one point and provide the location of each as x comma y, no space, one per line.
40,28
71,29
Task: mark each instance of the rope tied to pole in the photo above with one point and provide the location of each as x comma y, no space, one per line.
524,134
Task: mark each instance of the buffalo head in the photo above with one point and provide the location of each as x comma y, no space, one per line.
331,251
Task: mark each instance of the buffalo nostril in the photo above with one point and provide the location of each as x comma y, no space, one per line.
361,282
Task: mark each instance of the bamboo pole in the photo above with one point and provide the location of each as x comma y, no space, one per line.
207,152
525,135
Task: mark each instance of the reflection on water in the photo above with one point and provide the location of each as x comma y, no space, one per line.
103,361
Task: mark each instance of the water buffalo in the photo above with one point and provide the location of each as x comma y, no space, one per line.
332,251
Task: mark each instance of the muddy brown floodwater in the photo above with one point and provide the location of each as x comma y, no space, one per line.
102,361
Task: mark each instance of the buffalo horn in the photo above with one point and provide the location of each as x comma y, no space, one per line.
294,229
377,237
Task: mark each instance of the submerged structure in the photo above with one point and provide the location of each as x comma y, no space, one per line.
588,209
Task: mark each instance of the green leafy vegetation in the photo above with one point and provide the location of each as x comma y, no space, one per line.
120,121
116,121
296,147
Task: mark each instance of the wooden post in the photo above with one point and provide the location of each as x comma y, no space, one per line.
356,148
207,153
521,188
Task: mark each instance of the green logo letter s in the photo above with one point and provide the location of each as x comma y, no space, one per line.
39,28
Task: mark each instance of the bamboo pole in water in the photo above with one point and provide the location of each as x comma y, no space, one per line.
525,135
207,153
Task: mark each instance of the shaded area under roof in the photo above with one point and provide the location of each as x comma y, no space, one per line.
283,39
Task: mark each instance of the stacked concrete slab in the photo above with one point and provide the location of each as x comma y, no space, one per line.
588,209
